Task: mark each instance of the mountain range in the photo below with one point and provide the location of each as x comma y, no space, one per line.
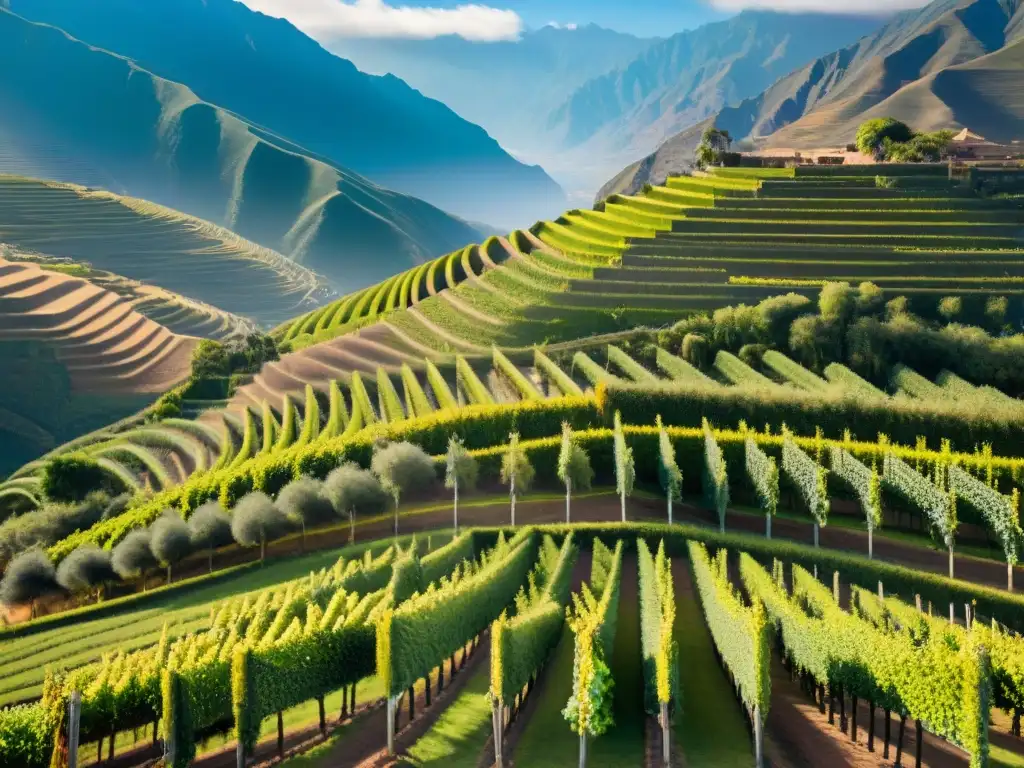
951,64
78,113
277,78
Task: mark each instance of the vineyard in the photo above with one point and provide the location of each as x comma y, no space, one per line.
737,436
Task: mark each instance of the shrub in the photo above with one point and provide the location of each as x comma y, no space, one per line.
133,556
85,569
401,468
255,520
950,307
73,477
49,524
872,134
209,528
170,540
28,577
304,503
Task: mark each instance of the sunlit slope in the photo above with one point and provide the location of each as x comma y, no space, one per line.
154,139
76,356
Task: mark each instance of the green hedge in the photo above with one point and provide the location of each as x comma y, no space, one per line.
521,644
657,618
420,634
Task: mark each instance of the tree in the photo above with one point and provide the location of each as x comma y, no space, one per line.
669,474
812,340
950,307
574,468
871,134
870,299
353,490
132,557
210,360
713,144
402,467
625,471
304,502
695,349
209,528
995,311
71,478
516,470
170,540
85,569
28,577
462,470
837,302
255,519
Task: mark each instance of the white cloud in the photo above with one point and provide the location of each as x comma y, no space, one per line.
571,26
331,19
867,7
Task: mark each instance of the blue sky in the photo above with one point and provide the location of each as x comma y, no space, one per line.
491,20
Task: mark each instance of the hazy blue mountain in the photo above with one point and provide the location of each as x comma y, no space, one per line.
274,76
506,87
77,113
690,76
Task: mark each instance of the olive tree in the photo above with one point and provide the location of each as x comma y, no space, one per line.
574,468
209,528
28,577
170,540
353,490
516,470
304,503
461,471
132,557
255,519
86,569
401,467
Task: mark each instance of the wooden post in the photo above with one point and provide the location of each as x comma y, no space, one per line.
917,603
881,591
323,717
74,720
952,617
758,739
888,733
920,744
871,727
835,586
497,731
899,742
110,748
831,705
767,525
1009,577
240,755
344,702
280,735
666,744
968,619
352,699
392,701
440,678
426,688
412,703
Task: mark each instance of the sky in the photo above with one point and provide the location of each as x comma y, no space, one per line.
493,20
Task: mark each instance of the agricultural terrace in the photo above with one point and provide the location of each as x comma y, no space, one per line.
149,243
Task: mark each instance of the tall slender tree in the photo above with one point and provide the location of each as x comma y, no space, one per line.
574,468
669,474
516,470
625,471
462,472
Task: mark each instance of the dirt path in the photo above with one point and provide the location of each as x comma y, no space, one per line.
375,737
988,572
798,735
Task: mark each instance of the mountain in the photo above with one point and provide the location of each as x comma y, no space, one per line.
271,74
954,63
691,75
951,64
506,87
76,113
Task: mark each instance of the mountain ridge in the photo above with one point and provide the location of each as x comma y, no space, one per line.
267,71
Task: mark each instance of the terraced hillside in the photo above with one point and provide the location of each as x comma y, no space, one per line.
155,245
133,132
76,356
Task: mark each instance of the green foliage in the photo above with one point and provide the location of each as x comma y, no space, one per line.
72,477
310,419
270,429
26,737
416,402
521,644
916,489
289,429
170,540
742,635
353,490
28,577
442,392
304,502
516,470
574,468
256,520
998,511
629,366
337,418
625,471
562,381
132,556
85,569
669,474
403,467
248,448
475,390
525,387
715,478
390,403
872,134
657,619
592,620
418,635
361,403
863,481
461,468
808,477
763,473
943,684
